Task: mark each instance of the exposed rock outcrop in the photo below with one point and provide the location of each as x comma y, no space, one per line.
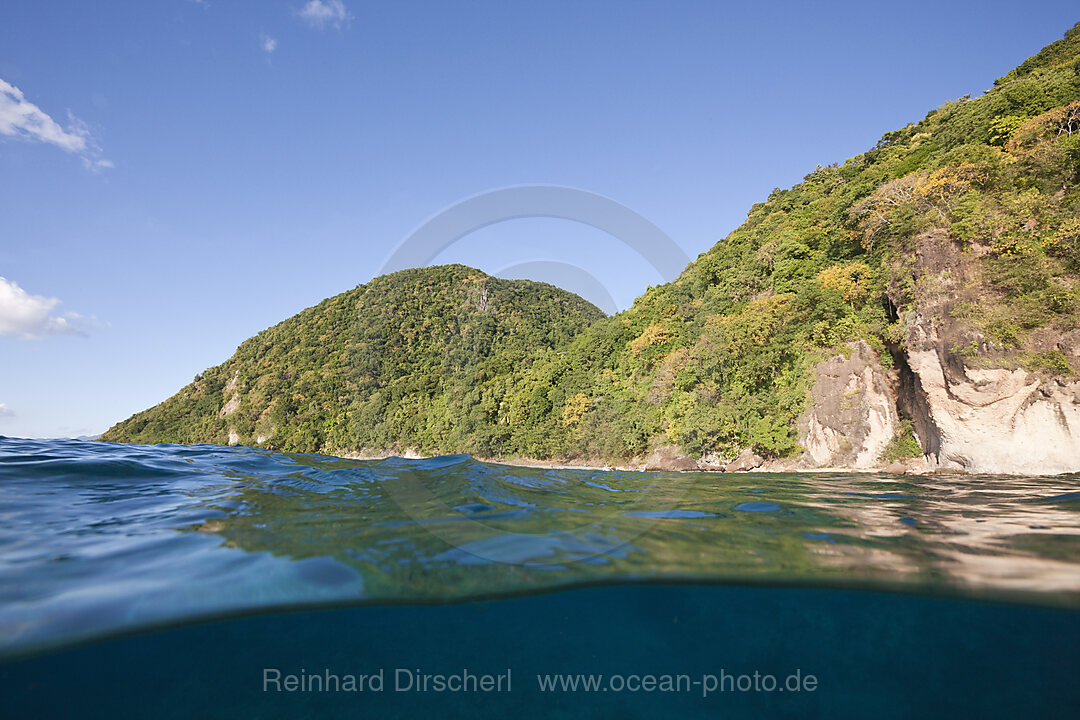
992,420
853,415
1001,419
669,458
747,460
713,461
232,404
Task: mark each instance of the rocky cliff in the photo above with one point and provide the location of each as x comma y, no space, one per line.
977,420
978,412
975,408
853,414
994,420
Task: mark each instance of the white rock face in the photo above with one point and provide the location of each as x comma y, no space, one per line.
978,420
999,421
233,403
853,415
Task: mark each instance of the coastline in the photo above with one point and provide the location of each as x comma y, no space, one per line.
921,467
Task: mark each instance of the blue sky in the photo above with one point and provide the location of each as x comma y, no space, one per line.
177,175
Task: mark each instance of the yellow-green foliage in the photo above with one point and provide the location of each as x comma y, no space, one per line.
575,408
654,336
853,281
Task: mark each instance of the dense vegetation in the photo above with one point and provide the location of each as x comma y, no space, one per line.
721,358
413,359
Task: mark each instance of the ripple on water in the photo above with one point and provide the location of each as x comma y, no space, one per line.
758,507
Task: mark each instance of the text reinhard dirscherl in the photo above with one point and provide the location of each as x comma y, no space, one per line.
417,681
402,680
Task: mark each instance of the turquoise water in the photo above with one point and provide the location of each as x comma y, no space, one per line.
165,581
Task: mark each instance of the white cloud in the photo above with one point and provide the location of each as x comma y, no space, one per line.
5,411
268,44
24,120
320,13
29,317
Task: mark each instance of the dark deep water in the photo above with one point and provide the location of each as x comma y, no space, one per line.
175,581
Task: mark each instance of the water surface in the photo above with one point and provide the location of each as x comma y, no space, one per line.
102,539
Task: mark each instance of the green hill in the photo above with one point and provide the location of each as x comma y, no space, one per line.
419,358
963,227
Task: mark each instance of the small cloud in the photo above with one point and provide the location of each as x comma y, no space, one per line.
29,317
6,412
24,120
320,13
267,43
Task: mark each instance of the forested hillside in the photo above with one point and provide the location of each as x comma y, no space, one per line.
720,359
969,218
411,359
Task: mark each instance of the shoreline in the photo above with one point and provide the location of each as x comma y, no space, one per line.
919,467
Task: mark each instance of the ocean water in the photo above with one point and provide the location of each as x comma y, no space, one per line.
195,581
